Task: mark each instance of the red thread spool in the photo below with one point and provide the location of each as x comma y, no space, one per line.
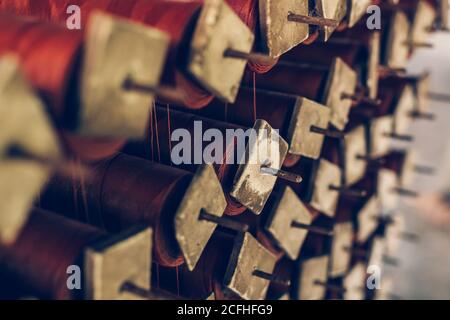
37,262
177,18
49,56
124,191
166,123
248,11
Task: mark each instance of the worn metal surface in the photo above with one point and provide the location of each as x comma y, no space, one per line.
368,219
341,249
248,255
278,34
251,187
324,199
330,9
404,110
115,50
397,50
213,35
311,271
287,209
24,124
302,140
111,263
380,142
355,147
204,193
342,79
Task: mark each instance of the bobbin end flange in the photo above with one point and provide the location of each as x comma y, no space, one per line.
247,256
324,199
273,16
204,193
251,187
303,141
25,128
218,29
380,143
118,260
397,49
356,9
355,148
422,88
373,76
442,19
287,209
354,281
387,182
312,271
377,251
335,9
341,249
117,50
424,19
368,219
342,80
403,113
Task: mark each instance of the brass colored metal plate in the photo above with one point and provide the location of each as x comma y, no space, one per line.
342,79
278,34
355,283
111,263
302,140
192,234
340,251
313,270
330,9
393,234
355,146
115,50
218,29
377,252
23,124
397,47
379,141
373,64
424,19
287,209
368,219
386,184
422,90
407,171
248,255
251,187
404,110
324,199
357,9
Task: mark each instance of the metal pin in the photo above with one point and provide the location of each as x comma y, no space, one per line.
315,21
349,191
424,170
423,115
418,44
270,277
331,287
249,56
144,293
361,99
406,192
288,176
377,162
400,137
328,133
164,92
390,261
438,96
312,229
65,168
223,221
